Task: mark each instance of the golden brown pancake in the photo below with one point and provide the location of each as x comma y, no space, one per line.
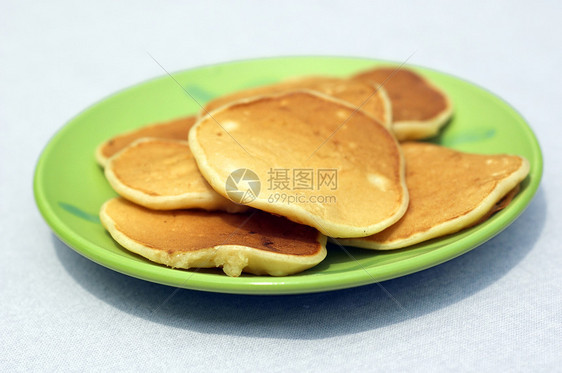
419,109
162,175
255,242
501,204
293,142
175,129
370,97
449,191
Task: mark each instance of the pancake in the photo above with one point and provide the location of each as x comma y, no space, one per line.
254,242
419,109
449,191
369,96
501,204
162,175
300,134
175,129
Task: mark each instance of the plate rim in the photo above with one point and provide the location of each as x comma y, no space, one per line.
210,282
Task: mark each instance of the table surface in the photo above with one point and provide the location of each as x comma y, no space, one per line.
499,306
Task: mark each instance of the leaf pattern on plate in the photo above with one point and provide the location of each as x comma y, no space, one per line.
76,211
468,137
200,94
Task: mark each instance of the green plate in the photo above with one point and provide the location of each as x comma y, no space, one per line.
70,187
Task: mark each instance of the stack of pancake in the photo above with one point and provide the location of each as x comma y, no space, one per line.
261,178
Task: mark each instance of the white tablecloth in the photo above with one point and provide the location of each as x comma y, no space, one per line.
495,308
